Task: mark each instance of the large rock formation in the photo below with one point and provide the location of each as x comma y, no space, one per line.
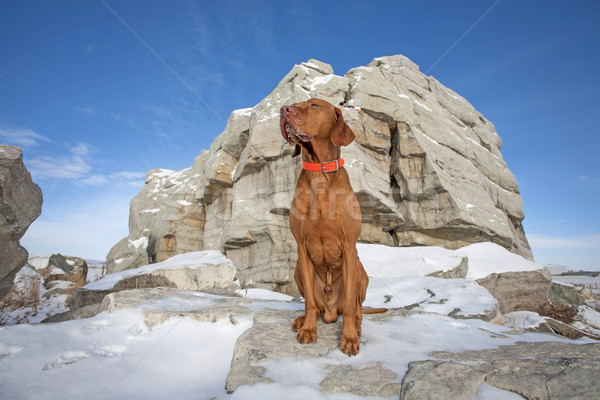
20,205
425,165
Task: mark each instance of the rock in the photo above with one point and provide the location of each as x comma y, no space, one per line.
84,297
166,218
546,370
76,268
20,205
568,330
271,339
88,311
369,381
524,290
517,283
205,271
58,267
129,252
565,294
426,167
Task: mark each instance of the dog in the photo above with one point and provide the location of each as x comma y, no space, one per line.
325,220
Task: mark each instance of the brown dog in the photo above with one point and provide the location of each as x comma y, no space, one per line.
325,219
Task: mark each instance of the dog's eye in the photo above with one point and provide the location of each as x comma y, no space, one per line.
313,105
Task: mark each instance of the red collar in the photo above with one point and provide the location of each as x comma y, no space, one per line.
329,166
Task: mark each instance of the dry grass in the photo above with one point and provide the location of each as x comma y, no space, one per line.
26,295
79,282
560,312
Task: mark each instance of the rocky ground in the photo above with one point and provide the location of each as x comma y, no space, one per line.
443,337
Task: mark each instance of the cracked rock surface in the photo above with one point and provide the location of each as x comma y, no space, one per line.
546,370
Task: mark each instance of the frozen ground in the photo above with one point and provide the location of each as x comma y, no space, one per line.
120,355
116,355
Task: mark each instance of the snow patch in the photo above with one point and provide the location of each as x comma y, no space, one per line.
523,320
490,258
139,243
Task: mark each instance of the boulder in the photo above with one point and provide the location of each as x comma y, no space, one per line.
75,268
532,370
565,294
20,205
426,168
205,271
58,267
517,283
270,340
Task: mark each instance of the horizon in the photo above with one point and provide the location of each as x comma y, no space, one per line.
99,93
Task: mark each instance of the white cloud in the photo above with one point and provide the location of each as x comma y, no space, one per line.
553,242
72,166
86,110
130,178
23,137
76,167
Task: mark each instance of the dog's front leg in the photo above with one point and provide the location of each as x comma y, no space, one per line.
350,343
305,279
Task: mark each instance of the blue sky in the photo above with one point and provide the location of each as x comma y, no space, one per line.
99,92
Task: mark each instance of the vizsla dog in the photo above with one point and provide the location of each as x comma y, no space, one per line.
325,219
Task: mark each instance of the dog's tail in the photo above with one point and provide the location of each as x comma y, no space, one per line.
374,310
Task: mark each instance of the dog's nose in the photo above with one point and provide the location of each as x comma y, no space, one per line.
286,110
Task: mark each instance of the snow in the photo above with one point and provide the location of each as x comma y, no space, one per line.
39,262
488,392
490,258
117,355
241,112
429,294
28,282
319,80
152,211
195,259
139,243
57,271
386,261
94,273
393,344
587,320
422,105
523,320
263,294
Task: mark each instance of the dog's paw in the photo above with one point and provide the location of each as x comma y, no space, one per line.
298,323
350,345
307,335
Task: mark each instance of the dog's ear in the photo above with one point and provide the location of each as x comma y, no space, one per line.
341,135
297,150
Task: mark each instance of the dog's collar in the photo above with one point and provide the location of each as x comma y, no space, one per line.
328,166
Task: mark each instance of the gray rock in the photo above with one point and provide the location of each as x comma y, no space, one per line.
219,278
370,381
20,205
426,167
129,252
75,268
88,311
271,338
84,297
518,290
460,271
565,294
546,370
568,330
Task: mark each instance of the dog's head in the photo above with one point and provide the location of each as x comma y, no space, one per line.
314,120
